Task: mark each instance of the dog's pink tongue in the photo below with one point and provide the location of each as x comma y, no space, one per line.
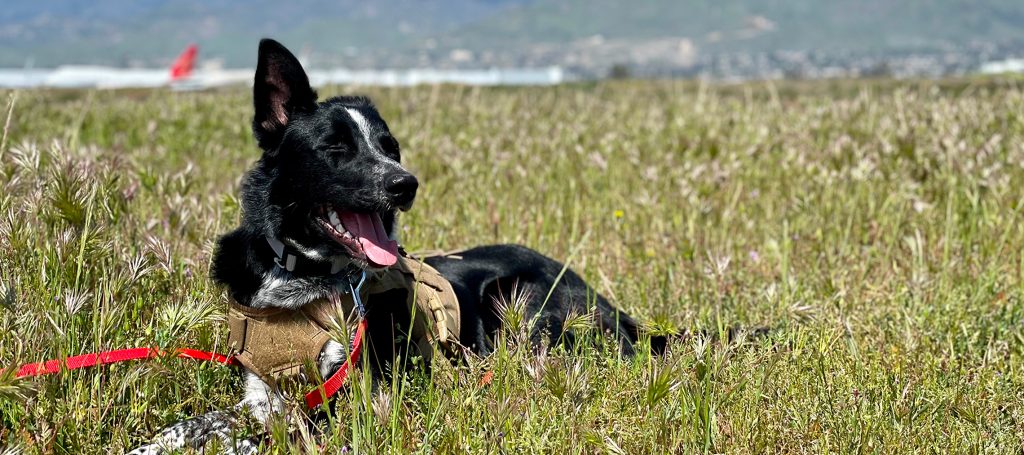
369,230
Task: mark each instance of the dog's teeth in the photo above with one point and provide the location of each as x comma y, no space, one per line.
348,235
334,219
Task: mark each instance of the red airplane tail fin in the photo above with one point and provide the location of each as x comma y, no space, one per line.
182,67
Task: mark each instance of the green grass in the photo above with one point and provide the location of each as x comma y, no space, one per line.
875,226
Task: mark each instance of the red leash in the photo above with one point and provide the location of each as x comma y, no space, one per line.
317,396
120,355
314,398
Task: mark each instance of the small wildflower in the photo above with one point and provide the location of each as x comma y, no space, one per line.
619,214
486,378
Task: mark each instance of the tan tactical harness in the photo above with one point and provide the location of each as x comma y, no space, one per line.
278,342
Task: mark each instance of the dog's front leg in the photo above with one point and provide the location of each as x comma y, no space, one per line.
262,403
196,432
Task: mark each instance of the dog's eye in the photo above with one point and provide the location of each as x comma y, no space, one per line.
390,147
337,149
336,153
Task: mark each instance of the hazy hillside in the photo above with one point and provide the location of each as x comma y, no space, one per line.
849,25
151,31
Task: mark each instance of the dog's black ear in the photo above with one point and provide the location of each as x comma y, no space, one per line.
280,90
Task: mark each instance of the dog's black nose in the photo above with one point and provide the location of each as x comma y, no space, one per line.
401,188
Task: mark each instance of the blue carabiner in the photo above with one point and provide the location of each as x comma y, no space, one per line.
357,300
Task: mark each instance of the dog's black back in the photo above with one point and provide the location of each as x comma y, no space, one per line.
489,276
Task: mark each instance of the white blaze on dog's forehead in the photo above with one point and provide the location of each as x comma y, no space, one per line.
384,166
364,126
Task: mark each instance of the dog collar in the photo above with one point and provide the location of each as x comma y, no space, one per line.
288,258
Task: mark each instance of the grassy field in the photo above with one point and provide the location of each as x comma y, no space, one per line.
876,227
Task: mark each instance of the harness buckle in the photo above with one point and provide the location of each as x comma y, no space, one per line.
289,262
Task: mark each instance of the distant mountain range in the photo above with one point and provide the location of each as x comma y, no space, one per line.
406,33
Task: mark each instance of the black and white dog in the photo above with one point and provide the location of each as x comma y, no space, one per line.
328,188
